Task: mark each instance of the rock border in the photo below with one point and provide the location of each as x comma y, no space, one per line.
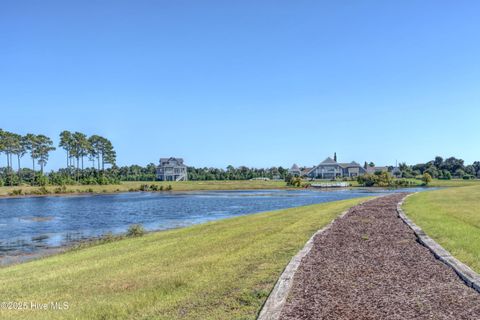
470,277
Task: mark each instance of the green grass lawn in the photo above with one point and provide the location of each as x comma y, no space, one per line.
454,183
452,218
218,270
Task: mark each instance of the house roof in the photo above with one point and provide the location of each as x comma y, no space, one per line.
171,158
349,165
307,170
177,161
329,161
375,169
294,167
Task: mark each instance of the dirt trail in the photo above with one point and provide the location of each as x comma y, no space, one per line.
369,265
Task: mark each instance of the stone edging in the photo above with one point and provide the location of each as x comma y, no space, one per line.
470,277
276,300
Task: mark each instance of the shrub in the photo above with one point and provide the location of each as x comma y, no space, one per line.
426,178
448,175
135,230
41,180
144,187
294,182
12,180
367,180
169,187
16,192
403,183
89,181
381,179
62,189
154,187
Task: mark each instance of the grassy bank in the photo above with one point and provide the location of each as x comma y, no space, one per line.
454,183
135,186
218,270
452,218
193,186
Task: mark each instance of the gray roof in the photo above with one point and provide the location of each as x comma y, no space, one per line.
171,160
375,169
294,167
349,165
328,161
307,170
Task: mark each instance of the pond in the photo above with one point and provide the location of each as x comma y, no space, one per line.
35,225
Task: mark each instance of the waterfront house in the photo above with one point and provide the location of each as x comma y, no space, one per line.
172,169
331,169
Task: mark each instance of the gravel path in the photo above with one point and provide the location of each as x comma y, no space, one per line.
369,265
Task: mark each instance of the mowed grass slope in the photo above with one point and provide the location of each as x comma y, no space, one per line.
452,218
218,270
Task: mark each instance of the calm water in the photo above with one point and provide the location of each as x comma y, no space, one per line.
30,225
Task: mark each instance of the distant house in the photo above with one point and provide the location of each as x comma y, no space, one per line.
331,169
372,170
172,169
395,171
306,171
295,171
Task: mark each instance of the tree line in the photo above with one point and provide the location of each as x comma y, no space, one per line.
16,145
78,147
440,168
149,173
96,148
99,154
239,173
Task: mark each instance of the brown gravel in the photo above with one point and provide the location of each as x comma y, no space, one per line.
369,265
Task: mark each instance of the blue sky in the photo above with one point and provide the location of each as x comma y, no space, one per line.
256,83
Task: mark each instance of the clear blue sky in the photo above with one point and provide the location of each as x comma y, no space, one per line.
256,83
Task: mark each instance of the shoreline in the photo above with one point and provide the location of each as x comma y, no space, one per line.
127,187
23,257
